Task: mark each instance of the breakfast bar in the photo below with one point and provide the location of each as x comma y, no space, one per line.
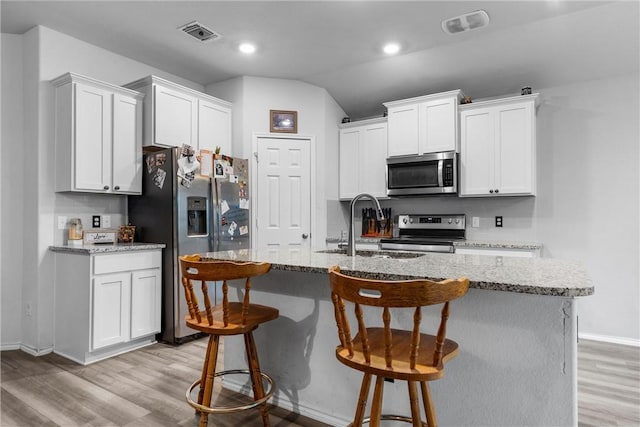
516,327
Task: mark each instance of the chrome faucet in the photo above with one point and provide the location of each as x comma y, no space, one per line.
351,244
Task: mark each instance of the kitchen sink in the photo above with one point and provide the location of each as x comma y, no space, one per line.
376,254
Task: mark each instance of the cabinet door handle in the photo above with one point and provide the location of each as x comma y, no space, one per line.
491,191
106,187
117,187
497,191
305,235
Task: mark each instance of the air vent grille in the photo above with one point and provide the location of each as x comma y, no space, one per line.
466,22
200,32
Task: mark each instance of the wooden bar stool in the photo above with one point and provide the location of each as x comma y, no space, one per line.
391,353
228,318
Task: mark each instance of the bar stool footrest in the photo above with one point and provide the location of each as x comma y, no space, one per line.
390,417
230,409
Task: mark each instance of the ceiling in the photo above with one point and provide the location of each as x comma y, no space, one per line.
337,44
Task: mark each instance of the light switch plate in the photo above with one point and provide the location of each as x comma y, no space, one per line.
475,221
62,222
106,221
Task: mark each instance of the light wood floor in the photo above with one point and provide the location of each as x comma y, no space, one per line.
146,388
608,384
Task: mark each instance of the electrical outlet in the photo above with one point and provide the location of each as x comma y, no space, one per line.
106,221
475,221
95,221
498,221
62,222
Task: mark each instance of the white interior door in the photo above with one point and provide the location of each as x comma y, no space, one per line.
283,212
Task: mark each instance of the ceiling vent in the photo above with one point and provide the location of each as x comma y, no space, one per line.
197,30
466,22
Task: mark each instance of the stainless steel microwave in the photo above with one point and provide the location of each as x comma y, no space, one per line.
432,173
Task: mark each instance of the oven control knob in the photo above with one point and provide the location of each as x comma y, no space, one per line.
457,221
450,220
404,220
410,220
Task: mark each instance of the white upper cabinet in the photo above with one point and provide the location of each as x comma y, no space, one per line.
363,154
176,115
497,155
425,124
214,126
98,136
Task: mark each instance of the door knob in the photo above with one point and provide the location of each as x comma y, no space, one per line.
305,235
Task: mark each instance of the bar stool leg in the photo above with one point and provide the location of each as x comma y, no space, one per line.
256,377
362,400
376,405
208,371
428,405
413,400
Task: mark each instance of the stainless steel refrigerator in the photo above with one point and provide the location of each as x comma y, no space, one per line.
189,214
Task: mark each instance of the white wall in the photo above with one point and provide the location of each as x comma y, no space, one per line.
318,116
12,158
45,55
587,203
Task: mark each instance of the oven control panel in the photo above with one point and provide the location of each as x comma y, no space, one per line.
444,222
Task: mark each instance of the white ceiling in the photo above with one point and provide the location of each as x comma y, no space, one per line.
336,44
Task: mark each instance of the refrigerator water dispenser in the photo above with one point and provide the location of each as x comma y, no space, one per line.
196,216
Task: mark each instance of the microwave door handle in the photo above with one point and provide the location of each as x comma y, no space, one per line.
440,171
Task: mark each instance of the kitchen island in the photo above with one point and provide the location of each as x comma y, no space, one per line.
516,327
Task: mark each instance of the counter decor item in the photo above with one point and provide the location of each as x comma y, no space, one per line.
283,121
100,235
126,233
525,91
466,100
75,231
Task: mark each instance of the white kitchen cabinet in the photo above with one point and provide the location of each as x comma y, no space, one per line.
214,126
425,124
497,154
176,115
106,304
363,154
98,136
111,300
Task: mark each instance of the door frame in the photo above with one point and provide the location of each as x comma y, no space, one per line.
253,171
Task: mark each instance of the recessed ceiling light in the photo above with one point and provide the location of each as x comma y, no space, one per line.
391,48
247,48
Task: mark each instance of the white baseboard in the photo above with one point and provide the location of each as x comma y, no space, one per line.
282,401
610,339
7,347
36,352
27,349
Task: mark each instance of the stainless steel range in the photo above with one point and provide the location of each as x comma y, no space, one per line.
426,233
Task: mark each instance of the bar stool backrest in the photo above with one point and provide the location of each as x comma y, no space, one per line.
194,268
392,294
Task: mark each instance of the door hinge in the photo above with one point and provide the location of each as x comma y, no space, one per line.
255,154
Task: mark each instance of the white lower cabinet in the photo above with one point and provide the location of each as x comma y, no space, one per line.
106,304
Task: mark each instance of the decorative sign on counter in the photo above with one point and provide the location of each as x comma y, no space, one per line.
100,235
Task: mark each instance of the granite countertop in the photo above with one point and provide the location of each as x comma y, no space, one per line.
491,244
106,248
496,244
539,276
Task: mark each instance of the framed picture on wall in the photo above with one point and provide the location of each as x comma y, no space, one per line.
283,121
